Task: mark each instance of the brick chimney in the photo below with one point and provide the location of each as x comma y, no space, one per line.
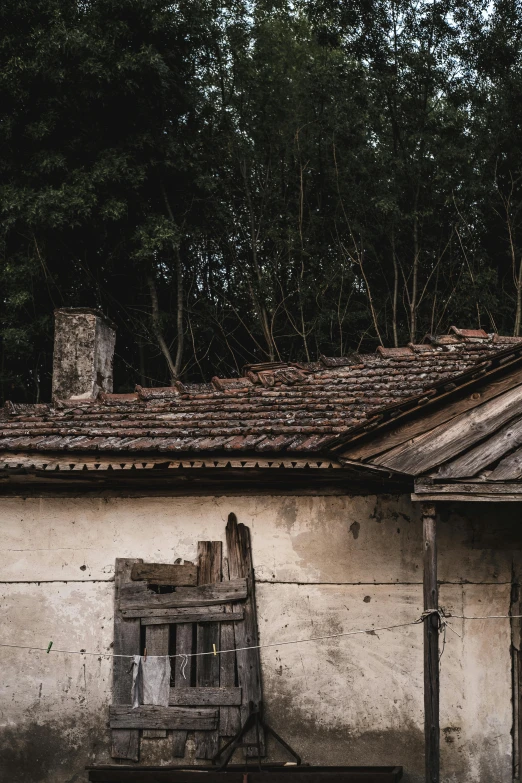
83,353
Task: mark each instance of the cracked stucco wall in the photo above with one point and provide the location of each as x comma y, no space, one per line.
324,565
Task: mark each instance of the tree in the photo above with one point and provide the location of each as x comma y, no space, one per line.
238,182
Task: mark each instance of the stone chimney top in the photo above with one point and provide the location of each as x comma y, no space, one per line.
84,342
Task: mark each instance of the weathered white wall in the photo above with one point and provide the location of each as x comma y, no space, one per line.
323,565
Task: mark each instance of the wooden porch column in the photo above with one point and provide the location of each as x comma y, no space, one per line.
431,647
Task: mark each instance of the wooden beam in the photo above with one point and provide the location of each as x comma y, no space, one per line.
246,633
186,614
479,497
210,556
152,717
55,462
489,451
431,647
165,573
181,679
437,411
229,717
205,697
509,468
137,596
235,773
469,491
213,617
469,487
441,444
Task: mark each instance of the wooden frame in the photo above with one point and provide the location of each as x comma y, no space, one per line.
213,603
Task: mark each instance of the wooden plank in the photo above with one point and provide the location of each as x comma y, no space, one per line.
246,634
481,497
182,668
152,717
509,468
212,617
446,441
233,774
156,643
183,614
137,596
431,647
229,717
165,573
211,697
432,414
476,459
469,488
125,741
207,666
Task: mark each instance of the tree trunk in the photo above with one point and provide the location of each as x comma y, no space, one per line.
157,331
179,295
179,313
518,288
141,355
258,305
415,279
395,292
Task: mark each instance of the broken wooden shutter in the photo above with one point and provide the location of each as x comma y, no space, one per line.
212,604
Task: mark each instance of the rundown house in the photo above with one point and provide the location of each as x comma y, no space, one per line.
119,532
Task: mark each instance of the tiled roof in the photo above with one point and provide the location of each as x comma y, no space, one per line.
274,407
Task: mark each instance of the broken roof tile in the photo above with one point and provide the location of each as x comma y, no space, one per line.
275,407
498,338
472,333
231,384
340,361
159,392
421,348
117,399
407,351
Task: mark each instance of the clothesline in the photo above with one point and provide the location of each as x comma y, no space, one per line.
441,614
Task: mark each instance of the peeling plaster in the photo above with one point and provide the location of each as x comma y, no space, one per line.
355,700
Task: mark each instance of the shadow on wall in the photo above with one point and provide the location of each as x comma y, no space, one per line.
330,747
56,752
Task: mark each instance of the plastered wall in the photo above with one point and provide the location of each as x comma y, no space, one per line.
323,565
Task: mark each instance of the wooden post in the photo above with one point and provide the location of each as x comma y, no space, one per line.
431,647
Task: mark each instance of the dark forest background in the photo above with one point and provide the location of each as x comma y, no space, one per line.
234,182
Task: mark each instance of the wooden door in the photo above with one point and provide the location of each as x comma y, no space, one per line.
181,609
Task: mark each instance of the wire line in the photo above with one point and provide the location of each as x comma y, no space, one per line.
219,652
372,631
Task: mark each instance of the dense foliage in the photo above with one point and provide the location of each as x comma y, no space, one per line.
244,181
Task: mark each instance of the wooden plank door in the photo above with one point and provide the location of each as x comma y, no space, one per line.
211,605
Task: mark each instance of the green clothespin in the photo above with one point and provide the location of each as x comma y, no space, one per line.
49,646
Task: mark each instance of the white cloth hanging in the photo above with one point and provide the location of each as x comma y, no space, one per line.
151,680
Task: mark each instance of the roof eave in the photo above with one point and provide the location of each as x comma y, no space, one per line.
445,390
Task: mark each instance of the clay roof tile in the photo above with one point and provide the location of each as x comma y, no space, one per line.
473,333
391,352
274,407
